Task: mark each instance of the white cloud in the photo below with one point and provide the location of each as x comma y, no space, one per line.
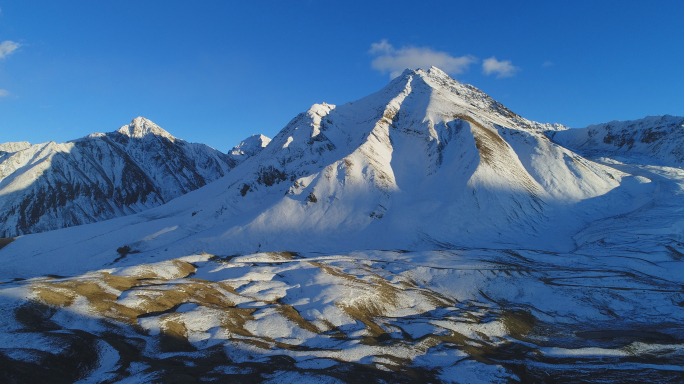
501,68
4,93
547,64
7,47
382,47
394,61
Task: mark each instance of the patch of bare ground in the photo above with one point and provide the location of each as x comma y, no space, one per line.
495,152
376,299
174,334
530,365
676,254
99,289
180,269
284,256
74,353
607,374
518,323
79,355
5,242
290,313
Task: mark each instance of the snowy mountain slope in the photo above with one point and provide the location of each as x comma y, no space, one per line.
658,138
101,176
424,163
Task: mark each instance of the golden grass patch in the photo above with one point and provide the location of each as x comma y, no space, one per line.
290,313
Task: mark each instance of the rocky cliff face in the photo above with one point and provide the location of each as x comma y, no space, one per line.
101,176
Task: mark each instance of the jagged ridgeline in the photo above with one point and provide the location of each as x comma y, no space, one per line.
104,175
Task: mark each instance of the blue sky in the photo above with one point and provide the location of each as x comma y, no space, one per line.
218,71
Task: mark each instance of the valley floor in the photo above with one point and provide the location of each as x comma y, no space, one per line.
609,311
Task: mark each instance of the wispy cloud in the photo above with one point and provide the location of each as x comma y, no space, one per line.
500,68
394,61
7,47
547,64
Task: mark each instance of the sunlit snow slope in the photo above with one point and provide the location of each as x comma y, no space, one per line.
425,163
104,175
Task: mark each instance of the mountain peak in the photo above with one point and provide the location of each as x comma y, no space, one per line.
141,127
432,72
441,94
250,146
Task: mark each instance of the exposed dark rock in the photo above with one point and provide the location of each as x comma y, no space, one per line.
624,138
652,135
124,251
245,188
269,176
312,198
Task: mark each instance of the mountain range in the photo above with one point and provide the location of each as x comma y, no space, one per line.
424,163
104,175
424,233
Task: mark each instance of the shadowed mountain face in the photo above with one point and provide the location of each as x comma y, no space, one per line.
102,176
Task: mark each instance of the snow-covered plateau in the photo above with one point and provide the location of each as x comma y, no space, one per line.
424,233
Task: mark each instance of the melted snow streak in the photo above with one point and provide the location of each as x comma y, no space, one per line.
436,316
102,176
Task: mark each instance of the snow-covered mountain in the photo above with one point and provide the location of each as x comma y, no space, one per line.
103,175
659,138
424,163
426,160
249,147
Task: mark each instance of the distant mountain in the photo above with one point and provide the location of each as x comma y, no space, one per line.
104,175
659,138
249,147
